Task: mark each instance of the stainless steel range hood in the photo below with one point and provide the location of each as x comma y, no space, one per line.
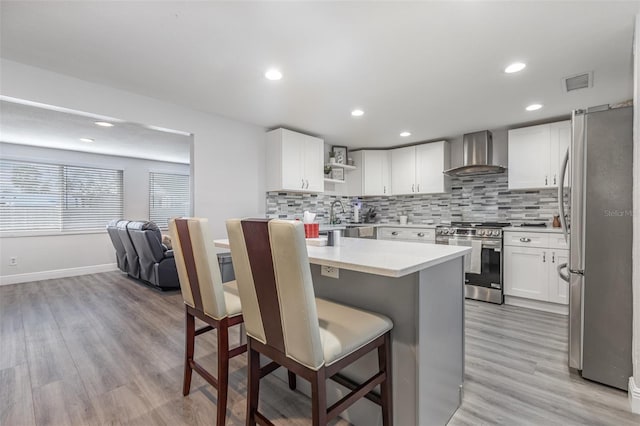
477,156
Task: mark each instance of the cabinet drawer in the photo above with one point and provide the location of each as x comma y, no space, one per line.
425,235
526,239
556,241
422,235
393,234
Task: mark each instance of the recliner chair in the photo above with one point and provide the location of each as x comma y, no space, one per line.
121,252
156,264
133,266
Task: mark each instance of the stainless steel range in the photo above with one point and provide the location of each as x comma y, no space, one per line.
483,277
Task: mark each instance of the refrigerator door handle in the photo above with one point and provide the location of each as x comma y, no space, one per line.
561,267
563,217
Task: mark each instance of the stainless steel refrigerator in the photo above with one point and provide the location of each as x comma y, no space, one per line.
600,163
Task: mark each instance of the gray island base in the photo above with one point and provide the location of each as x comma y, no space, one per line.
421,288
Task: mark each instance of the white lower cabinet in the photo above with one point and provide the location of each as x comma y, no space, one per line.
531,262
525,273
415,235
558,288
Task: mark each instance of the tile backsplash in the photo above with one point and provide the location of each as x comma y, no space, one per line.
478,198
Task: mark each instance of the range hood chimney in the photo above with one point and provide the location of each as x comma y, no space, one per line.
477,156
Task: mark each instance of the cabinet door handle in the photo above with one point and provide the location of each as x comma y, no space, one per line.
554,179
394,233
302,183
384,191
553,257
545,181
307,184
420,234
544,257
525,240
413,188
418,187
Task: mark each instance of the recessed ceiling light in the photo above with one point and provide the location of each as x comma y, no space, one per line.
357,112
515,67
87,140
103,123
273,74
533,107
405,134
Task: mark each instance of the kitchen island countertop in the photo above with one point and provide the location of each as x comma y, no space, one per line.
379,257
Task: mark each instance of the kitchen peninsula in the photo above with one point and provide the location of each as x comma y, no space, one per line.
421,288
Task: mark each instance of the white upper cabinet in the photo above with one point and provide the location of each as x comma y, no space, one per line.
295,162
373,174
403,170
536,153
431,160
376,176
418,169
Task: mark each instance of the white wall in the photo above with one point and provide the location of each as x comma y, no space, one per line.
634,382
69,254
227,156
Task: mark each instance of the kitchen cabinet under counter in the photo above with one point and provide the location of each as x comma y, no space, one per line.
531,276
421,288
407,233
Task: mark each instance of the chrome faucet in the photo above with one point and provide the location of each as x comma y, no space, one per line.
332,215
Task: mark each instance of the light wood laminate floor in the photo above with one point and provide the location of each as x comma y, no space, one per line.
102,349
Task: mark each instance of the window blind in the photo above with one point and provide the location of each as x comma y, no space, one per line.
56,197
92,197
169,196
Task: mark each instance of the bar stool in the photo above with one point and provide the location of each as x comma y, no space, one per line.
284,321
205,298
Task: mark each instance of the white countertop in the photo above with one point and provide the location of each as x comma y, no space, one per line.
548,229
380,257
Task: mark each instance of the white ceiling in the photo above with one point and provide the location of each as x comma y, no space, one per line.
55,128
433,68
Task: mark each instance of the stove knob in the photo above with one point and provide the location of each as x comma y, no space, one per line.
480,232
496,233
452,231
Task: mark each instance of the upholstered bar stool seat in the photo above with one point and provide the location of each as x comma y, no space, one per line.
314,338
345,329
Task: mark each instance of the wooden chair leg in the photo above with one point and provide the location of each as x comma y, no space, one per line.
292,380
190,338
223,372
253,384
386,395
319,398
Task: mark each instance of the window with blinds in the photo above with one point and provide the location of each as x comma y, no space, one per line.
57,197
168,197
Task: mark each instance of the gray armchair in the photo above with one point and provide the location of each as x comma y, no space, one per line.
133,266
121,252
157,265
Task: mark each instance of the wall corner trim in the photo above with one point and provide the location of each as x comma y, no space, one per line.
56,273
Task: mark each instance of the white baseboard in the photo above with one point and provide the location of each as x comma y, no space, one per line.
56,273
634,396
539,305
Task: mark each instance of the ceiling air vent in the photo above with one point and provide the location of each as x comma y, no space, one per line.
580,81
